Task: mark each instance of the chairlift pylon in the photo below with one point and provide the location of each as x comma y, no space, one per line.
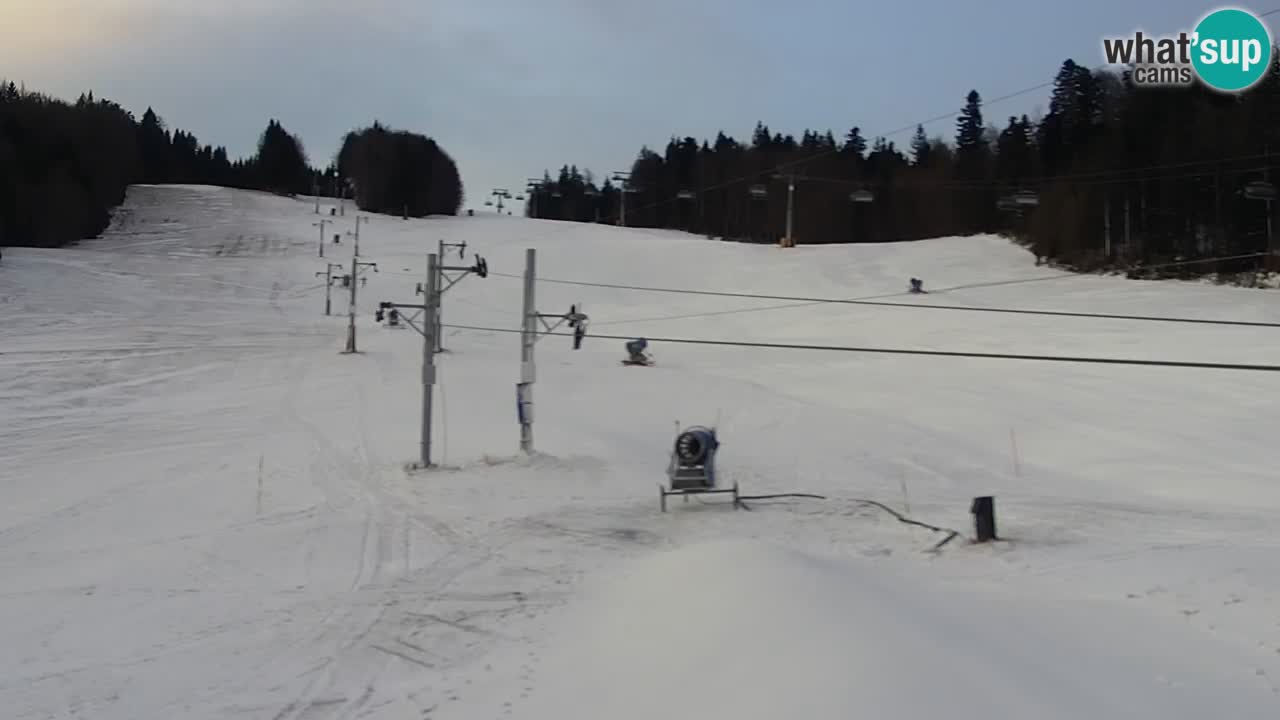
1027,198
1260,190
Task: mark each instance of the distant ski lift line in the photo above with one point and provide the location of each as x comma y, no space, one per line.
905,351
922,306
987,103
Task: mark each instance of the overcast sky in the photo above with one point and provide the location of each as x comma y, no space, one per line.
512,87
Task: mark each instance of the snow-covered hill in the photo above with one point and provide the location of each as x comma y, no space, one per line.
206,514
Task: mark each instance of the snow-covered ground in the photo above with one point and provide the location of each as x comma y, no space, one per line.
206,511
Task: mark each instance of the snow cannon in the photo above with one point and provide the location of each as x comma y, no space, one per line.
693,459
636,354
692,469
387,311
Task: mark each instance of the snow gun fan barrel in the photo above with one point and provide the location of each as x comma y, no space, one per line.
694,446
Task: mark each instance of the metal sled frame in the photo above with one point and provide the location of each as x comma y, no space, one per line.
695,479
664,493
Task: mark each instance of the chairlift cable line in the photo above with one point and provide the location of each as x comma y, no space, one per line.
905,351
798,301
896,131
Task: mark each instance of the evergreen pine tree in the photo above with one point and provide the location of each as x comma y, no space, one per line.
920,148
282,163
855,144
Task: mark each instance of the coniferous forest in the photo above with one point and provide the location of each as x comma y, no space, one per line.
1124,176
64,166
397,172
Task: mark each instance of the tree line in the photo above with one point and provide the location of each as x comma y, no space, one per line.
397,172
1113,175
65,166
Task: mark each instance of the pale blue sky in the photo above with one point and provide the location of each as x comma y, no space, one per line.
510,87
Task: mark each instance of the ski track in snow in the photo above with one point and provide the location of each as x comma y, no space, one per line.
207,513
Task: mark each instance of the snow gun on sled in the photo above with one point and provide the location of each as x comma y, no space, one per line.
692,470
636,354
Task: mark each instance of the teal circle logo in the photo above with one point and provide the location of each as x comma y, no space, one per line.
1231,50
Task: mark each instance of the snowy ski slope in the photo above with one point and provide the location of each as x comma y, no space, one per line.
206,513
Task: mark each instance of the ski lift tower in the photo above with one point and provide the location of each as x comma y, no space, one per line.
692,470
501,194
685,197
861,196
533,187
1264,190
624,186
593,197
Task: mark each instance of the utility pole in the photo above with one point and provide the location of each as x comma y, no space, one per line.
351,312
789,240
328,285
321,225
791,196
528,337
356,234
429,331
481,268
624,186
1106,225
1271,246
1128,249
687,195
1265,191
524,391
